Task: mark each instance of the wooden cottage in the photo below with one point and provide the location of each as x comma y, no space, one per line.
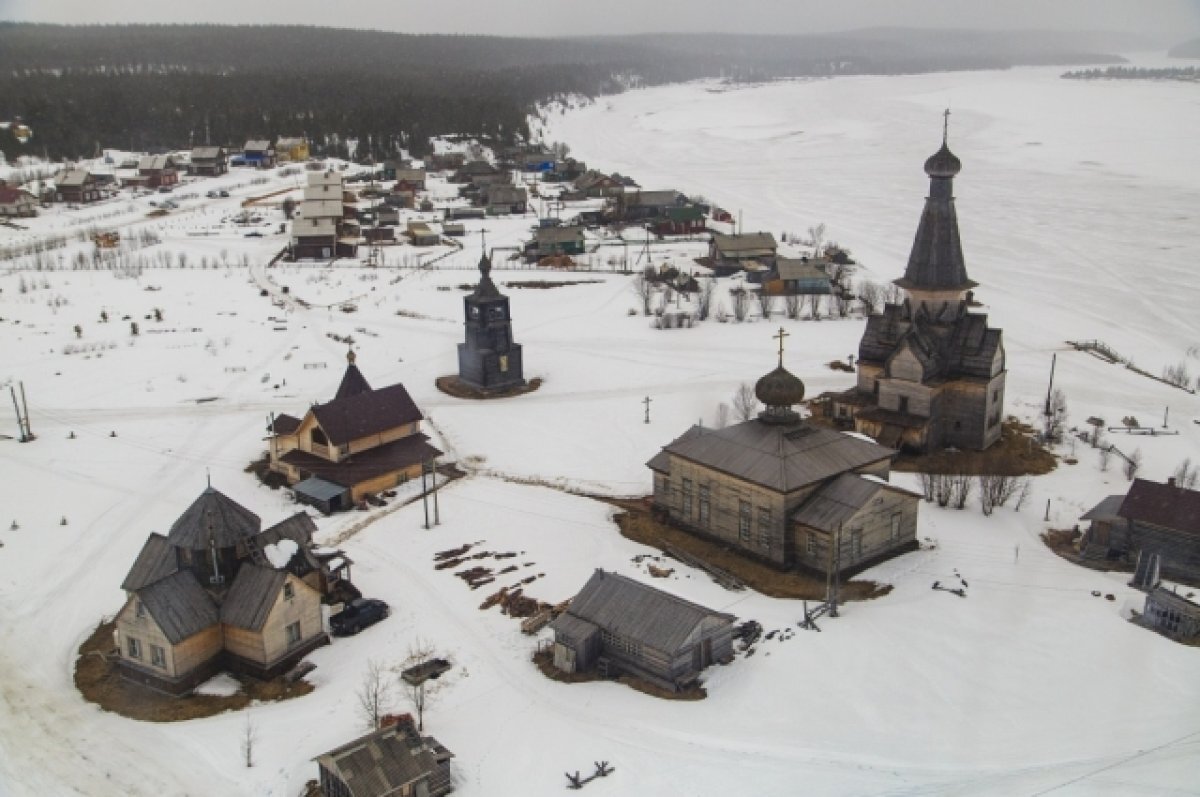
157,171
362,442
16,201
1155,527
679,220
501,200
291,149
394,761
618,625
479,174
447,161
549,241
209,161
931,374
415,178
784,491
635,206
752,252
326,227
258,153
597,184
218,592
1171,614
77,186
421,234
803,277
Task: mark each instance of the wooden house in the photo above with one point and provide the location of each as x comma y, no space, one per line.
635,206
447,161
1155,527
414,178
394,761
479,174
501,200
931,373
16,201
598,184
363,441
291,149
209,161
421,234
549,241
326,226
679,220
752,252
800,276
620,626
258,153
157,171
784,491
76,186
1171,614
218,592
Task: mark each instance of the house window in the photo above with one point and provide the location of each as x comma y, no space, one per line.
810,545
293,633
895,530
875,390
620,644
666,489
140,610
856,543
744,521
158,657
289,591
133,648
687,498
318,437
704,514
904,404
995,396
764,527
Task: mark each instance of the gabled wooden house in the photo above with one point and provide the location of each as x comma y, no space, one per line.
218,592
502,200
548,241
209,161
258,153
394,761
156,171
752,252
16,201
76,185
291,149
800,276
446,161
679,220
363,441
414,178
1173,615
619,625
1154,526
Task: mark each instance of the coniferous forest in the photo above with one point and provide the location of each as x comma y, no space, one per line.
152,87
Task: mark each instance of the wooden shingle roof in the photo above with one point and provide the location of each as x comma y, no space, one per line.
638,612
835,503
215,514
251,596
156,560
381,763
179,605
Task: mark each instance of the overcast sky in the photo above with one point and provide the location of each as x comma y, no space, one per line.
1165,19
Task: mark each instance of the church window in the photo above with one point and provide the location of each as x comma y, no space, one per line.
687,498
856,543
875,390
140,611
133,647
503,363
158,657
811,544
744,521
704,505
474,312
496,313
995,396
666,488
957,425
904,404
288,591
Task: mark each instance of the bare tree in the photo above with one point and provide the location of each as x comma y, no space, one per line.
928,481
960,487
643,286
374,694
871,296
419,694
1133,464
740,297
792,304
705,298
943,489
1186,475
1026,489
745,403
816,236
995,490
249,736
766,304
1105,456
814,303
722,418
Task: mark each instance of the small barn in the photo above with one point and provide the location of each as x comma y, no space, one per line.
1171,614
421,234
1152,522
732,253
618,625
801,276
505,199
394,761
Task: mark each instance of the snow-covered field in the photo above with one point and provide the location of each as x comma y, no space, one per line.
1075,203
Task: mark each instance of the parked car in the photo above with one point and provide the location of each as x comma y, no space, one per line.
224,194
165,189
357,615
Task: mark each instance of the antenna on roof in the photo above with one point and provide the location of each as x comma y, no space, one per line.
945,126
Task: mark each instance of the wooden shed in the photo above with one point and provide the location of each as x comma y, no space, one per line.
618,625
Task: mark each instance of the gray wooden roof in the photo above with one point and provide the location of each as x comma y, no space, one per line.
835,503
778,457
380,763
251,596
156,560
573,628
506,194
638,612
651,199
215,514
155,163
749,244
936,260
257,145
179,605
959,344
73,178
558,235
207,153
801,268
1106,509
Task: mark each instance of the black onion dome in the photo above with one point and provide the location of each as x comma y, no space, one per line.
486,288
943,163
780,388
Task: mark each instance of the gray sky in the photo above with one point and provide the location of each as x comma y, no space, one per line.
1169,20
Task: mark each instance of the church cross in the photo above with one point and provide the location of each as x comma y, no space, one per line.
646,401
483,231
945,126
780,336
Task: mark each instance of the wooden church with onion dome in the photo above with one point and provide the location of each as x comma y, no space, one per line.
785,491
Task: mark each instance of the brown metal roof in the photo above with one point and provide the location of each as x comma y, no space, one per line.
782,458
1165,505
387,458
639,612
353,383
352,417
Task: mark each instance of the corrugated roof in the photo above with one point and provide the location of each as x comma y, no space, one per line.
156,560
1165,505
215,514
251,596
639,612
179,605
1108,509
782,458
352,417
382,762
318,489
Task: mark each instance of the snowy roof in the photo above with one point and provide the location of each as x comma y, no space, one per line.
639,612
213,514
179,605
257,145
72,178
321,209
280,553
155,163
251,596
782,458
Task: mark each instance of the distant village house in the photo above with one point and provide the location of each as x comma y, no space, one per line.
209,161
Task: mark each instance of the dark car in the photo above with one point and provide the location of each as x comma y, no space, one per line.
357,615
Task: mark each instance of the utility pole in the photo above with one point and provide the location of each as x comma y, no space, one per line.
646,401
424,494
1049,413
25,404
437,517
24,434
